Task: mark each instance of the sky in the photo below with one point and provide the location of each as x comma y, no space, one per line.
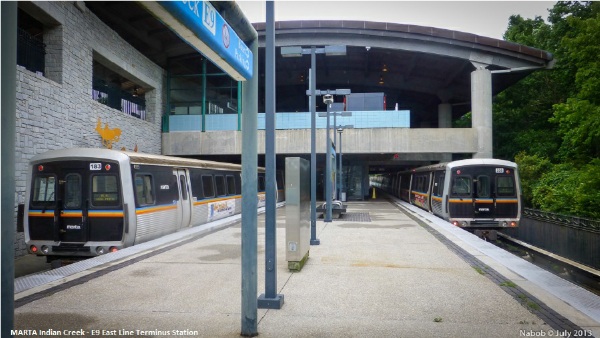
485,18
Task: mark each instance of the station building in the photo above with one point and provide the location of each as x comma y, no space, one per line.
112,74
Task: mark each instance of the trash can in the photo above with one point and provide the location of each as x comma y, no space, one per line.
343,196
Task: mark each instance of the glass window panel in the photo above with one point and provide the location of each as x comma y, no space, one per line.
72,191
483,186
230,185
220,183
144,191
505,186
105,190
461,186
207,186
183,184
43,190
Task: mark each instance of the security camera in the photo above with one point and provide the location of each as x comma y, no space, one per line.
328,99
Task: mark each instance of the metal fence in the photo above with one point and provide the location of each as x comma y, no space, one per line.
571,237
31,51
114,97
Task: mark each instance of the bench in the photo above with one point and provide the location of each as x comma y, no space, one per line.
337,209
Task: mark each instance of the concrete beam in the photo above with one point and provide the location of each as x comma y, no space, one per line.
356,141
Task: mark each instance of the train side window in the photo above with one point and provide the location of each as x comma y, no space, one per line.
483,186
208,186
279,180
183,184
261,183
72,191
461,186
505,186
230,185
43,190
220,183
105,191
144,192
438,185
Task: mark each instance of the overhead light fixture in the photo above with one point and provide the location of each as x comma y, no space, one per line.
384,69
135,92
381,80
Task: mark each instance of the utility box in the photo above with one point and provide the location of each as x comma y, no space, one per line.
297,212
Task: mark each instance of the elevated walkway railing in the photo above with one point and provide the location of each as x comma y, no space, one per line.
289,120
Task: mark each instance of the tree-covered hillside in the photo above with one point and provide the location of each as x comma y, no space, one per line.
549,123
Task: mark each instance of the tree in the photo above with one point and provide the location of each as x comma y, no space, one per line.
550,121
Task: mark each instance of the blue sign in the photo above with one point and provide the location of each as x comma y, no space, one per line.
201,18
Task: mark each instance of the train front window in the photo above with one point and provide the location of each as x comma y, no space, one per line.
461,186
505,186
43,190
105,191
72,191
483,186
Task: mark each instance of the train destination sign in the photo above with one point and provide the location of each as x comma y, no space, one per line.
198,23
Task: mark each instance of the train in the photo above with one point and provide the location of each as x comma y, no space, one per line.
480,195
85,202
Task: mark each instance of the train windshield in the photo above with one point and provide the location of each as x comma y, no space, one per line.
44,188
505,186
461,186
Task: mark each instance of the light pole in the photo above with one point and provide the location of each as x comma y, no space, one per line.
298,51
328,182
339,186
340,130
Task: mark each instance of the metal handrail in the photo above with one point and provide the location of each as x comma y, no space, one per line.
571,221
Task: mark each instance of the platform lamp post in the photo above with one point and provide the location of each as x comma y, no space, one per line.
298,51
340,130
328,182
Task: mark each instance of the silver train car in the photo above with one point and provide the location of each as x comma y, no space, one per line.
478,194
86,202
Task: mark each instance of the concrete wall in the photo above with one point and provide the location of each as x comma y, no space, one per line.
57,111
355,141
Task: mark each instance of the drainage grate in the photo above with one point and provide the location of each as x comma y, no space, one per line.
354,217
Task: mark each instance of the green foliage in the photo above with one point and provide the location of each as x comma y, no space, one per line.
531,168
550,121
579,127
568,190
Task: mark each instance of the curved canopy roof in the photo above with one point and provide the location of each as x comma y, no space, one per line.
415,66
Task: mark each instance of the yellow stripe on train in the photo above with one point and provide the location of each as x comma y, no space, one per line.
155,209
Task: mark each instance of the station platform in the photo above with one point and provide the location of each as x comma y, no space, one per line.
382,270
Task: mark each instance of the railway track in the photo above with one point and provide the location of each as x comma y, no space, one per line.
577,273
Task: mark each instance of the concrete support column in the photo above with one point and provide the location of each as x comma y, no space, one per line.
481,110
445,115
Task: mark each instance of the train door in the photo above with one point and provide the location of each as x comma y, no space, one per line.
460,203
56,209
483,201
71,214
184,204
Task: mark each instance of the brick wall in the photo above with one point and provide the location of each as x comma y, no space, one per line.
57,111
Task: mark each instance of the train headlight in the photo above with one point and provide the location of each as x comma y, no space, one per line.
504,224
45,249
464,224
100,250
